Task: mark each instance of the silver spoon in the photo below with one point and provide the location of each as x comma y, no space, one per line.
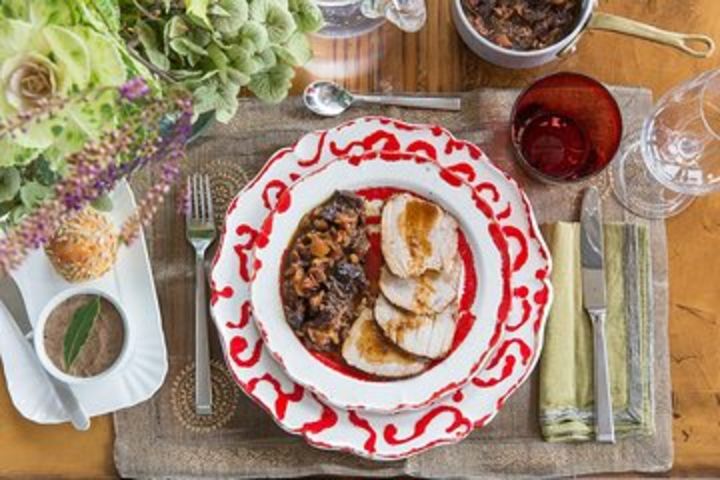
330,99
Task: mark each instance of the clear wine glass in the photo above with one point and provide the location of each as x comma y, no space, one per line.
351,18
675,156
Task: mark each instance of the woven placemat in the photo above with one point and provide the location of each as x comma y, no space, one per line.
160,439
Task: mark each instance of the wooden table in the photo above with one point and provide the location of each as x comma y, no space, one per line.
436,60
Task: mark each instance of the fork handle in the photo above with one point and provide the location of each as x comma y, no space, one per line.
203,386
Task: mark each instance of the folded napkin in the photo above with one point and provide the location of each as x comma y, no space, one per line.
566,366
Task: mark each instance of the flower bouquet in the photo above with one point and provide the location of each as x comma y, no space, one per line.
216,47
92,90
51,50
71,123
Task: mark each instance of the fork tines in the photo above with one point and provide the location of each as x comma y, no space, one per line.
200,208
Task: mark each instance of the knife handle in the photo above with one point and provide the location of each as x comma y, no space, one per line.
605,426
78,417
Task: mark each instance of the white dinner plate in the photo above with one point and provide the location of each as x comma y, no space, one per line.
486,293
376,435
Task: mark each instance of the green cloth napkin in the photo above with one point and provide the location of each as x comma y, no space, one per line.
566,374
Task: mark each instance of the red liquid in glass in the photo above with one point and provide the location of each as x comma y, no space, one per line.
566,127
556,146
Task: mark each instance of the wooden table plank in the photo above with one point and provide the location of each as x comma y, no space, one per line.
436,60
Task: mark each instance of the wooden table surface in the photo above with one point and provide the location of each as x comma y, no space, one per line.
435,59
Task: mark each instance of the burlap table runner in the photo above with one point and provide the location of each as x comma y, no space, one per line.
153,439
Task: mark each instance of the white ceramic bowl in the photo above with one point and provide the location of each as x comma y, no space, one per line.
490,262
39,342
508,58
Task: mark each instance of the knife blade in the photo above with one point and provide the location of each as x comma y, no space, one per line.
11,296
595,303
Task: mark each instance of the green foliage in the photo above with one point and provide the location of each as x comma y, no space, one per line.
217,47
56,48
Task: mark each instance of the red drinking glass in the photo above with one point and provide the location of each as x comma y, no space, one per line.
566,127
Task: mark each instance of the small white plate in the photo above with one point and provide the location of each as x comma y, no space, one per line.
488,259
130,281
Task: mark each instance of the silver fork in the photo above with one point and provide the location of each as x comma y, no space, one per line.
200,232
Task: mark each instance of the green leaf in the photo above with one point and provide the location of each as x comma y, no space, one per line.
307,15
106,62
266,58
71,52
218,57
102,204
279,23
217,10
252,37
243,61
259,8
186,47
109,10
176,27
227,103
14,8
91,118
237,77
17,214
198,10
272,85
79,329
296,51
33,194
51,12
15,35
228,16
14,155
148,40
206,97
9,183
40,170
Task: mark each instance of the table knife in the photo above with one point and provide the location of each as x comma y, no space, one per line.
595,303
12,298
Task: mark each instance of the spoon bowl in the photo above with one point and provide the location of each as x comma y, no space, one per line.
327,98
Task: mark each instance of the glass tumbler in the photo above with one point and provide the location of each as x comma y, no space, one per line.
565,128
675,156
350,18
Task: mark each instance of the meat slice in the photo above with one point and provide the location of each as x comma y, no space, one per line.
367,349
417,236
424,335
429,293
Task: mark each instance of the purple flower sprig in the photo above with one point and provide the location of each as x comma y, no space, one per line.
95,170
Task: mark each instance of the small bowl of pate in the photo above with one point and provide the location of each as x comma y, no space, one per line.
82,335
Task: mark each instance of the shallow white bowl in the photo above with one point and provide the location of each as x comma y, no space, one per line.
39,336
406,172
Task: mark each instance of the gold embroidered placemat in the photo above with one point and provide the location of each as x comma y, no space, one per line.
161,439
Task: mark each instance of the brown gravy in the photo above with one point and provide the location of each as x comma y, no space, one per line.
417,223
376,348
104,343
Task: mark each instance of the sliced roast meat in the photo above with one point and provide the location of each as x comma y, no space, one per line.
417,236
428,336
367,349
430,293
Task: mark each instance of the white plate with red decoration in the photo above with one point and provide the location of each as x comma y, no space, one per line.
479,308
376,435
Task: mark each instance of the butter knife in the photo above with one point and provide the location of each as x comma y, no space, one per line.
595,303
12,298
